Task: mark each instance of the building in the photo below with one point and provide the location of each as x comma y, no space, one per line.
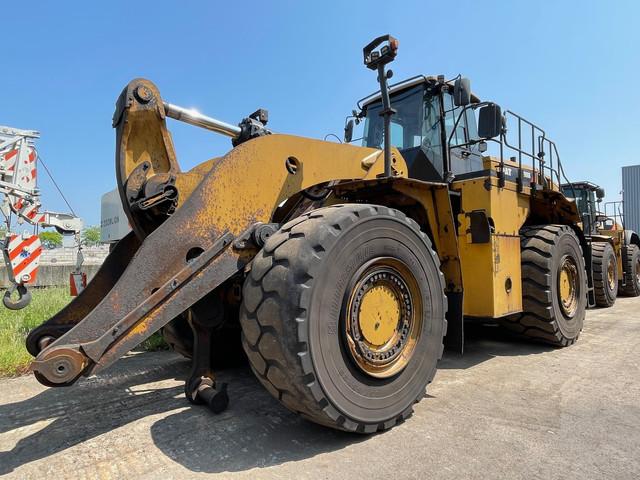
631,196
113,222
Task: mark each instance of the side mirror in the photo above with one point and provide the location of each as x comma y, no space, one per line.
461,92
348,131
490,121
600,193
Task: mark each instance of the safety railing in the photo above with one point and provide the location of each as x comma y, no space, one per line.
533,152
617,208
545,164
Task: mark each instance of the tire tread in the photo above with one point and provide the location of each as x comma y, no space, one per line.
283,364
537,320
631,287
599,253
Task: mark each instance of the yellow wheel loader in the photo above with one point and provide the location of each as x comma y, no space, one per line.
615,250
346,268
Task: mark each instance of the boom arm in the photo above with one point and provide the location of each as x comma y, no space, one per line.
193,237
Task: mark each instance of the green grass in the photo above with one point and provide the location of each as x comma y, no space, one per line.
15,325
154,343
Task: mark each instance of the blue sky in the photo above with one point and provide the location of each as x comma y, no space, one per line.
570,66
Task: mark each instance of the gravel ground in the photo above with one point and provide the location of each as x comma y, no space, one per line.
506,409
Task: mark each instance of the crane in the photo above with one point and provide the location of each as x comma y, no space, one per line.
21,201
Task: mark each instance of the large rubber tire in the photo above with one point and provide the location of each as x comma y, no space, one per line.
544,249
631,262
292,318
603,258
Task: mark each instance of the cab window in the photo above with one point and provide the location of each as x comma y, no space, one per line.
467,158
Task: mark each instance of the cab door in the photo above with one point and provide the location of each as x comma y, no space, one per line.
465,159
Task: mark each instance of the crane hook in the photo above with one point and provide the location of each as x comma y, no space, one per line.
24,297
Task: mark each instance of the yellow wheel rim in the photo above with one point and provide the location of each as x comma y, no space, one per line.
611,273
383,317
379,314
568,287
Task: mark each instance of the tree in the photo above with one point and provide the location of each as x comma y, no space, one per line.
91,236
50,239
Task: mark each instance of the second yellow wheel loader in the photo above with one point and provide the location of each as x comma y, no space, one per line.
615,250
347,268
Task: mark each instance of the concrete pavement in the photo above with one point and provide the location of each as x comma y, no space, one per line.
506,409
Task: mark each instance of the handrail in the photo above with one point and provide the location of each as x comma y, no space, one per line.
618,211
541,170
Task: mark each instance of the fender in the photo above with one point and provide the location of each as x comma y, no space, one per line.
631,238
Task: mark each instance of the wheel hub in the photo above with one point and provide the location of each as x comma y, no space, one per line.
568,286
383,317
379,314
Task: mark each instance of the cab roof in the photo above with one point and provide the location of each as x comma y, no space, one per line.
404,85
584,185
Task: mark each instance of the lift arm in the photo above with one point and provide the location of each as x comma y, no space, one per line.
189,235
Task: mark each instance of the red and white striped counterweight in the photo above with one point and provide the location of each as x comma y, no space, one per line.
23,252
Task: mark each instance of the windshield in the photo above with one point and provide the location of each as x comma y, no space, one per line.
585,203
584,198
415,127
416,130
406,124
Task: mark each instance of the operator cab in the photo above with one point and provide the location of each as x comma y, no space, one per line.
426,118
586,196
432,122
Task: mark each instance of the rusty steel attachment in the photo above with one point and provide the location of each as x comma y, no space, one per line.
100,347
63,321
192,232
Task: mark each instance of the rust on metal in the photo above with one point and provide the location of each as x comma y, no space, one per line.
227,201
80,306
